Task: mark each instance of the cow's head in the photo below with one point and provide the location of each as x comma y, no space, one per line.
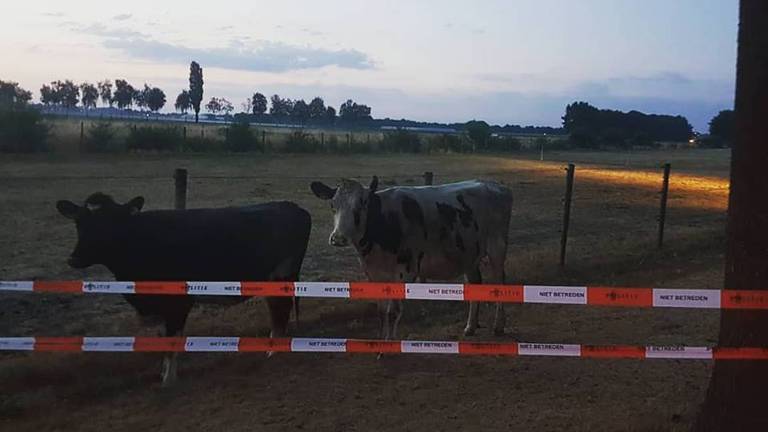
349,201
96,221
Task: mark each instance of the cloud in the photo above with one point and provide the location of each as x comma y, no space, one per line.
53,14
312,32
122,17
240,54
263,56
106,32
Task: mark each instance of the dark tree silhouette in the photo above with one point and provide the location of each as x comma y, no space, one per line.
300,111
105,91
259,102
281,108
183,102
736,398
195,87
155,99
723,125
69,93
124,94
90,95
140,97
48,95
479,132
330,115
351,111
590,126
13,97
317,109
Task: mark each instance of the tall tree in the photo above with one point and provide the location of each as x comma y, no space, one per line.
226,106
736,398
155,99
48,95
280,108
352,111
195,87
723,125
259,103
247,105
90,94
330,115
124,94
479,132
69,93
13,97
317,108
105,91
183,102
214,106
300,111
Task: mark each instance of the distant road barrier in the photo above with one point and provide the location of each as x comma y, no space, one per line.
574,295
360,346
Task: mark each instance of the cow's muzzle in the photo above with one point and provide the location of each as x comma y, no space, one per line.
338,241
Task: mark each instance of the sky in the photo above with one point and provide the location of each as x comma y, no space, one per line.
506,62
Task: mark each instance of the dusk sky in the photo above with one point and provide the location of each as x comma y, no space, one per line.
516,62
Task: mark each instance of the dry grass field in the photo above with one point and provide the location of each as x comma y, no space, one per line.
612,242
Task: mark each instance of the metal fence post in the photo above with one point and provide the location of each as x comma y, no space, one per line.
180,200
566,211
663,207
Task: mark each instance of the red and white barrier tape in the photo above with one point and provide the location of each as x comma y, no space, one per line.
602,296
248,344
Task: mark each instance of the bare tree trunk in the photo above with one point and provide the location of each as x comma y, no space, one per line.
737,399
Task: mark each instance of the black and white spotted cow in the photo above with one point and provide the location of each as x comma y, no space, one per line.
427,232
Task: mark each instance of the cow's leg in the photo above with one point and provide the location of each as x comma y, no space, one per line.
397,305
473,277
385,315
497,276
280,315
174,326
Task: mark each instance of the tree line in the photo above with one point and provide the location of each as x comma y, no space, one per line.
589,126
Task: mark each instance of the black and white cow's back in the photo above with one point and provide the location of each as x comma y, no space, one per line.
436,232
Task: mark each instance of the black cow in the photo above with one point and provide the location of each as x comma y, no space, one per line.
257,243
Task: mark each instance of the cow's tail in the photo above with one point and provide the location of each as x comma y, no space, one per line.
296,310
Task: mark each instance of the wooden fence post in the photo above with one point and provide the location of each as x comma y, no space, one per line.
663,207
428,178
180,177
82,135
566,211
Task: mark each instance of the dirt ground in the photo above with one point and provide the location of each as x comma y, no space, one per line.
612,242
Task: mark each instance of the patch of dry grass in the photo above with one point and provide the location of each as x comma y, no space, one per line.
612,242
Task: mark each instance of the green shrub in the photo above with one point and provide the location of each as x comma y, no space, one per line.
332,144
202,145
301,142
503,144
151,138
445,143
23,131
100,138
711,141
239,137
401,141
558,144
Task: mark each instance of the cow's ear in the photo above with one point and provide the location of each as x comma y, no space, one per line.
322,191
374,184
69,210
134,206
